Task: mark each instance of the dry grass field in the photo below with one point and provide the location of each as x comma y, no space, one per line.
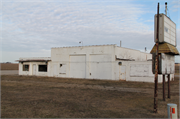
177,67
47,97
9,66
178,64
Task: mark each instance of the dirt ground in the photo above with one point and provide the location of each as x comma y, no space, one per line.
177,67
47,97
9,72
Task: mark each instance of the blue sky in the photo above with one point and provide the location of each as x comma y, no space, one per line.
30,28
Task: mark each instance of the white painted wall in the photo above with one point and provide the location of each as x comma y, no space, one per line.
93,62
140,71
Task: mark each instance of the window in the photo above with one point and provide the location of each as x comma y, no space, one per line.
26,67
42,68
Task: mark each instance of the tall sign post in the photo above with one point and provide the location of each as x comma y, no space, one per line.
164,87
163,60
168,85
156,64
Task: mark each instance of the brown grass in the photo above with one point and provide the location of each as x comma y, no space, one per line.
9,66
177,66
45,97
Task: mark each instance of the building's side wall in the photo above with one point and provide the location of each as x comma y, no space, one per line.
140,71
93,62
33,69
126,53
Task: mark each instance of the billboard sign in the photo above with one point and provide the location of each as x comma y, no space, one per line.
167,29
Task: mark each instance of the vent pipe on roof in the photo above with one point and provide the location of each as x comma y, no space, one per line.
166,8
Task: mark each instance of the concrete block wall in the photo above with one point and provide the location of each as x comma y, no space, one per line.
93,62
139,71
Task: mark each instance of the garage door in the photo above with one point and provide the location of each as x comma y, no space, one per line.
78,66
100,67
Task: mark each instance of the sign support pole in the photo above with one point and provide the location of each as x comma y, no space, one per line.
164,87
169,86
156,64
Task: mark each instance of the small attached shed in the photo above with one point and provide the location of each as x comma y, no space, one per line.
34,66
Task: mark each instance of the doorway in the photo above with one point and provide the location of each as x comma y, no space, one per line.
34,69
122,73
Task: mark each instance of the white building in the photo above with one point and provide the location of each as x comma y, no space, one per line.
107,62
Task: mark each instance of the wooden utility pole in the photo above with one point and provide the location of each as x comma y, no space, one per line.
164,87
156,64
169,86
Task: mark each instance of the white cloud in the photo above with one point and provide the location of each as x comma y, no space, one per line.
175,5
36,26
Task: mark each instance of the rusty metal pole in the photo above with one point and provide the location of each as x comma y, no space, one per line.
156,64
169,86
164,87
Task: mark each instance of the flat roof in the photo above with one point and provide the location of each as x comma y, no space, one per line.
33,60
85,46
